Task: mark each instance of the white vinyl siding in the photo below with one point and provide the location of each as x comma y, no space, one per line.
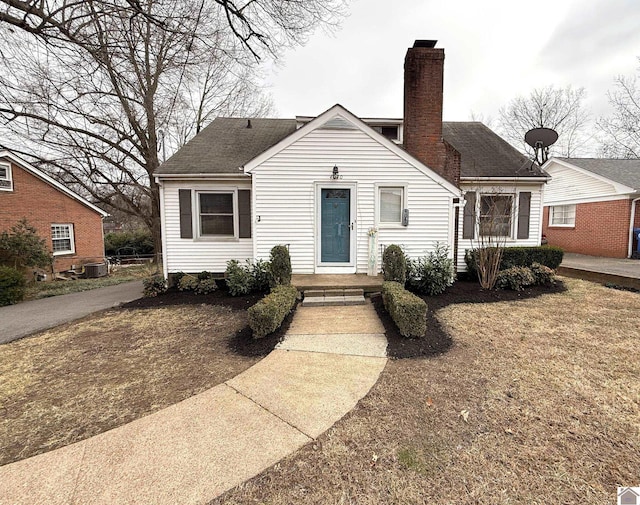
571,186
199,253
284,193
563,215
535,219
62,239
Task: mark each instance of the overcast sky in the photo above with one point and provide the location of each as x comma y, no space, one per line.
494,51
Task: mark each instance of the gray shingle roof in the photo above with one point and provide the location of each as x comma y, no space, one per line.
227,144
622,171
483,153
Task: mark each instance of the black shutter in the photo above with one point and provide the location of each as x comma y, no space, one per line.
244,211
469,216
186,222
524,211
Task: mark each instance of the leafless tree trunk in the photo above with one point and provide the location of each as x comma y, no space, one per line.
622,127
98,88
560,109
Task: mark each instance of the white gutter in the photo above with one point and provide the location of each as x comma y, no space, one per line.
240,174
541,178
631,222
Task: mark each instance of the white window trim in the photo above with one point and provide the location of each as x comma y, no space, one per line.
562,225
236,215
71,238
8,178
514,214
403,204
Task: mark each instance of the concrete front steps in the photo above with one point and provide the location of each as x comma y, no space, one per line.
329,297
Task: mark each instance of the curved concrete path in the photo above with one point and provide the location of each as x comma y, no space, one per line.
29,317
193,451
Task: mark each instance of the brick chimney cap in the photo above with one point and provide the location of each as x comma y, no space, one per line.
425,43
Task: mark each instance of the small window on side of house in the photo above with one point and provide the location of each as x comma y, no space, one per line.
5,177
391,203
563,215
216,214
62,239
496,213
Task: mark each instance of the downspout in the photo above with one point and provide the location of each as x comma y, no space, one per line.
631,223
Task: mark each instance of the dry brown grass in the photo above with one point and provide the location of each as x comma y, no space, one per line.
551,386
81,379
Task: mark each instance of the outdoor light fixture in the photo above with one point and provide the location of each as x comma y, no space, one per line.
335,174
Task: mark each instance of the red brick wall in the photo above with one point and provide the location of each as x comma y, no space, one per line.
423,88
42,205
601,229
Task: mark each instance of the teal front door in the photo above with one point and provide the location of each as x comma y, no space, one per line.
335,225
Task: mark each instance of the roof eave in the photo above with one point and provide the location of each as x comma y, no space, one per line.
506,179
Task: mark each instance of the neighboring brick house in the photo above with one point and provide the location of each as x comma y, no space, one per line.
592,205
71,225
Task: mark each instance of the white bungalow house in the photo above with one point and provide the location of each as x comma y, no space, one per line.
336,189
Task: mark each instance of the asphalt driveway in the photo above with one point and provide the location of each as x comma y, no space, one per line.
29,317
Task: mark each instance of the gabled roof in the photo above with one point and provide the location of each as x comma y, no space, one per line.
621,171
484,154
6,154
227,144
337,117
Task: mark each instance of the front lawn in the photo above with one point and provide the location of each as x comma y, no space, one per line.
86,377
536,401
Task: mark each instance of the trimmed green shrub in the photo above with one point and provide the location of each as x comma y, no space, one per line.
394,264
542,274
516,278
280,266
261,274
407,310
267,315
154,285
188,283
432,274
12,286
239,278
206,286
548,256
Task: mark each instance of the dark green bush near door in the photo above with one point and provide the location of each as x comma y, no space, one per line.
280,265
407,310
394,264
12,286
267,315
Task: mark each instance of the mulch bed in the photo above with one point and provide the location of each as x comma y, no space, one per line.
243,342
436,340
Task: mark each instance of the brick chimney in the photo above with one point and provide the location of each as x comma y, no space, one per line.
423,86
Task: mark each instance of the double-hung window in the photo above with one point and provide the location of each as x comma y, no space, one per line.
563,215
391,203
62,239
496,213
5,177
216,214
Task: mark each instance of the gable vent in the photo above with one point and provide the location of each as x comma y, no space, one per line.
338,123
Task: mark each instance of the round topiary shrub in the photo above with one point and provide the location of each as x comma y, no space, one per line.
12,286
394,264
280,265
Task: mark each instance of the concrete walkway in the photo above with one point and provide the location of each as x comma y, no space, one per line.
195,450
29,317
623,272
